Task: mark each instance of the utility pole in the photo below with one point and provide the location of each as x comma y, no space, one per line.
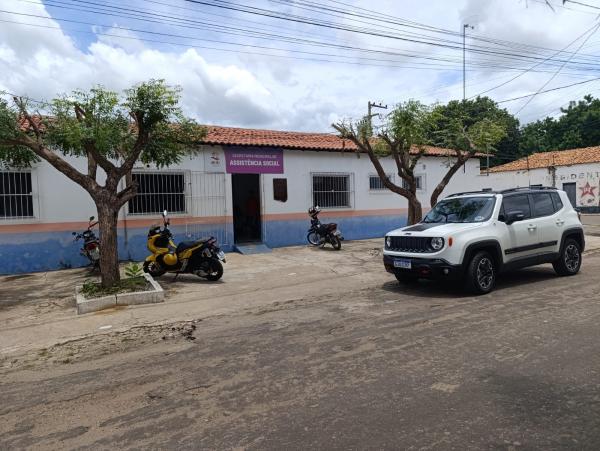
464,30
369,115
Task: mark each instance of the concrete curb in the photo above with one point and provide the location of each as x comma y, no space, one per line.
153,296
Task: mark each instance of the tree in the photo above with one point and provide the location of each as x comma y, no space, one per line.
404,138
408,130
113,133
469,112
576,127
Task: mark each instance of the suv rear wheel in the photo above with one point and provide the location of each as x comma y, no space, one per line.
569,262
481,273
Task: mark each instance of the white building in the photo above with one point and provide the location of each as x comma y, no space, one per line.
245,185
576,171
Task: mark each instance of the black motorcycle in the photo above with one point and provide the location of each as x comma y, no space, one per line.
91,244
319,234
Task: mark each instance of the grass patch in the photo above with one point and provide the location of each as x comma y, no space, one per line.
93,289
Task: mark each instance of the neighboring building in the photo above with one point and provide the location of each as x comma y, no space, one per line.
576,171
243,185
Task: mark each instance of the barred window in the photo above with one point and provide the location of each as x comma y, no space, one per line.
418,180
158,192
376,184
332,190
16,196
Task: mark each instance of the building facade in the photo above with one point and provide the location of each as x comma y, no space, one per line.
575,171
242,186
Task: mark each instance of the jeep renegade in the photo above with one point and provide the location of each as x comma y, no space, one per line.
473,237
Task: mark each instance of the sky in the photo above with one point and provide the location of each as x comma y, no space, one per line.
252,70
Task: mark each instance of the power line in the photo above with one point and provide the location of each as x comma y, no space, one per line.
41,102
557,71
582,4
549,90
534,66
440,67
299,19
156,41
270,36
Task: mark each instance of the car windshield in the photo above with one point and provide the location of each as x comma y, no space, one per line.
462,209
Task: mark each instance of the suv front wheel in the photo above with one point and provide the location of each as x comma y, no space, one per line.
569,262
481,273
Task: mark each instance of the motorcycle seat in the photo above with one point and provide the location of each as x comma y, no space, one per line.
185,245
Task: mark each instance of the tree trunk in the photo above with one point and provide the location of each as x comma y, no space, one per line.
415,211
445,180
109,257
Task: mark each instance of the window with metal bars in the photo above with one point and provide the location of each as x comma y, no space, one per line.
332,190
158,192
16,195
376,184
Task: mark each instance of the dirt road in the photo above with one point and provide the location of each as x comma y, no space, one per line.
381,366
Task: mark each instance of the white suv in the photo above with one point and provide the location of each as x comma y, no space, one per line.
475,236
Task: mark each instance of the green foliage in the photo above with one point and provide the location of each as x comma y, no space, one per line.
134,270
12,155
578,126
92,289
82,118
104,120
459,117
411,122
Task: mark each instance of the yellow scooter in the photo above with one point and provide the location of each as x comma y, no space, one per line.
202,258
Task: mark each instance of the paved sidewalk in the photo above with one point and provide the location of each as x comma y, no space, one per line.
591,223
38,310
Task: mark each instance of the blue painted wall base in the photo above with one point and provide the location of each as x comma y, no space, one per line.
34,252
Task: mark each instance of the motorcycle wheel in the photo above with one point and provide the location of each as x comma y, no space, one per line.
336,243
153,270
216,271
313,238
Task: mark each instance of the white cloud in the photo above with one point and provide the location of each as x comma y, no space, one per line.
256,91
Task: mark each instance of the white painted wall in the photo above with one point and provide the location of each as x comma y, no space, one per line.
298,166
581,174
58,199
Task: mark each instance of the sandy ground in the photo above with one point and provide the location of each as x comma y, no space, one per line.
345,358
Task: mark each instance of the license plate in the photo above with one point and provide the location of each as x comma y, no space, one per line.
221,255
404,264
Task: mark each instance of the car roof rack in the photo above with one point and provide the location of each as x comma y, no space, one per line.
482,191
529,188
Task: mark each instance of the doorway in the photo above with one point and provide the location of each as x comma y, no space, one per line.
571,190
246,208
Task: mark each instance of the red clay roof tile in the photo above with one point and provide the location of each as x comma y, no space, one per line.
290,140
555,158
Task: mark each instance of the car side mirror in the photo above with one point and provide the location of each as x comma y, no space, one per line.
514,216
92,218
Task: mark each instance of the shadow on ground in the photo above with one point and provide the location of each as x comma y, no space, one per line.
455,290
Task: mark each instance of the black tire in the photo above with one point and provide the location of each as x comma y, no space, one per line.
313,238
481,273
216,271
406,278
336,243
569,262
153,270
